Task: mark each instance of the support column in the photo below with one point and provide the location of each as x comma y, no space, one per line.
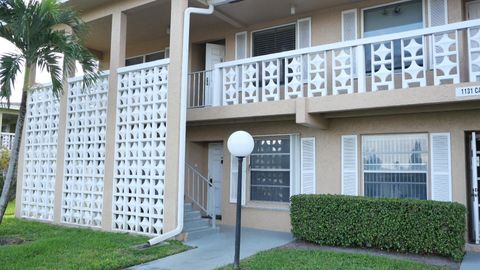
117,59
60,168
173,114
21,159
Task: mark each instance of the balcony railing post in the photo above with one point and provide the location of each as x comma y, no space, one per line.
215,98
360,67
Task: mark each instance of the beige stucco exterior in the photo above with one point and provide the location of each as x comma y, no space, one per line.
428,110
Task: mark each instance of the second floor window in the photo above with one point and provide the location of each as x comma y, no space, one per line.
391,19
274,40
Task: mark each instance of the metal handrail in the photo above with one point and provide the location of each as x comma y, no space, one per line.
197,188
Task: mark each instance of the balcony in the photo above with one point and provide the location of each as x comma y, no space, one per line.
418,60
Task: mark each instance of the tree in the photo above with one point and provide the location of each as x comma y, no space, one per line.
48,35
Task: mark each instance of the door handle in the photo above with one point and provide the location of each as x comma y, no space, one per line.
210,182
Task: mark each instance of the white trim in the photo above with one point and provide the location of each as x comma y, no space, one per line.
297,32
362,15
430,13
246,44
432,186
355,11
314,157
343,162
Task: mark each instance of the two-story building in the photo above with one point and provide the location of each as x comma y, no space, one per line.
371,98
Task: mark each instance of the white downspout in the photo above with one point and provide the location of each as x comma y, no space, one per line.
183,122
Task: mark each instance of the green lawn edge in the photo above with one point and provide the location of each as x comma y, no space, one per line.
57,247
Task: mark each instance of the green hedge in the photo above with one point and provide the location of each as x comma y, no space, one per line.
403,225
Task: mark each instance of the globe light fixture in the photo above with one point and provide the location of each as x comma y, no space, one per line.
240,144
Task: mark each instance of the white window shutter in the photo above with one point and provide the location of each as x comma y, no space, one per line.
441,167
167,52
437,12
307,157
349,165
234,179
304,33
349,25
241,45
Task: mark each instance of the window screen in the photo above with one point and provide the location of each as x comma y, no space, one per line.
392,19
395,166
278,39
270,169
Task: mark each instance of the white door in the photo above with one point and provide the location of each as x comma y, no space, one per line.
475,166
214,54
473,10
215,176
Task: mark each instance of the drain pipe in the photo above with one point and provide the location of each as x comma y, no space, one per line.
183,123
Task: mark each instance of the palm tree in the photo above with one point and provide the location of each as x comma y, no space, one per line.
43,31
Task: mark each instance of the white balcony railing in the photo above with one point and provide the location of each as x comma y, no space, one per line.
199,84
7,140
429,56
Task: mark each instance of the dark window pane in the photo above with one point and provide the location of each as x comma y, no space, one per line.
134,61
154,56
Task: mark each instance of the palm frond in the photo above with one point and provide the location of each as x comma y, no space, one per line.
10,65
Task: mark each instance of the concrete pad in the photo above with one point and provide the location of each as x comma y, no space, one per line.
471,261
217,249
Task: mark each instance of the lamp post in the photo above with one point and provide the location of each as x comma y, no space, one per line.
240,144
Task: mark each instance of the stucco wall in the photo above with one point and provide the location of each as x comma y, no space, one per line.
275,216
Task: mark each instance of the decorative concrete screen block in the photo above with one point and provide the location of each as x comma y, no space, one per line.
474,48
139,179
382,66
82,198
41,133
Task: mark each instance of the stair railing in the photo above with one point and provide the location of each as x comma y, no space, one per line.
197,190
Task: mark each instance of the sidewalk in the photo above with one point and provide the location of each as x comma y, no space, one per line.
217,249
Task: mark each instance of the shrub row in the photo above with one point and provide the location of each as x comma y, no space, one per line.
402,225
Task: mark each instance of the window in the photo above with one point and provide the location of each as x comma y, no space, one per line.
391,19
270,169
395,166
145,58
274,40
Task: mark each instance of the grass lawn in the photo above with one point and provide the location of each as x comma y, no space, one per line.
283,259
55,247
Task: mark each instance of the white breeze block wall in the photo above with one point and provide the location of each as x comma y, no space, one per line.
40,159
139,177
82,198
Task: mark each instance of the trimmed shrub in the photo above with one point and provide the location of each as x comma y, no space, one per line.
402,225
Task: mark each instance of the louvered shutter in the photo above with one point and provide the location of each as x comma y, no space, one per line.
441,167
167,52
274,40
438,12
307,157
349,165
241,45
234,179
304,35
349,25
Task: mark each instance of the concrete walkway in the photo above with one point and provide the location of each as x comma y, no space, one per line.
217,249
471,261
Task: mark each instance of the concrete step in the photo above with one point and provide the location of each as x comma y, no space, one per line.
192,215
195,224
187,207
